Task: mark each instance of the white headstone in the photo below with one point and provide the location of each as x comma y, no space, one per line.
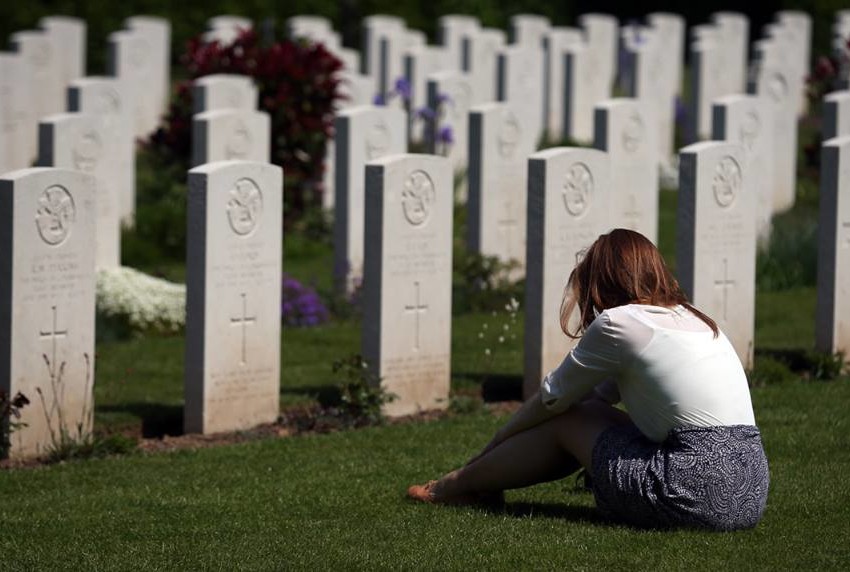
350,60
745,120
708,79
520,82
555,41
17,130
836,114
480,62
362,134
311,27
69,36
375,29
356,90
650,79
157,32
450,95
498,183
529,29
233,293
226,29
85,143
133,60
832,331
231,135
800,26
419,63
451,30
568,208
776,83
601,33
671,35
109,99
44,91
624,130
407,298
223,91
579,78
734,33
47,303
716,240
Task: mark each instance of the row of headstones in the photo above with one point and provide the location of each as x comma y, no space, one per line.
44,63
232,371
498,171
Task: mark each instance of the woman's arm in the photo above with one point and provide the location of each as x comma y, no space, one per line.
531,413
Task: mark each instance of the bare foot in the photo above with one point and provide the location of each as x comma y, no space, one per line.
430,492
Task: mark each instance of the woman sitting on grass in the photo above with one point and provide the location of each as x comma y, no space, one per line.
686,453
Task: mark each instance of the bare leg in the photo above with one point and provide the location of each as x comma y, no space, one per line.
549,451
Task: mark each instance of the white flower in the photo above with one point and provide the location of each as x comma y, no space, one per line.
486,351
146,302
501,339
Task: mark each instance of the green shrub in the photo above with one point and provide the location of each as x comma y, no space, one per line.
358,398
768,370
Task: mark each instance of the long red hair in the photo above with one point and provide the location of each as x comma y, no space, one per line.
621,267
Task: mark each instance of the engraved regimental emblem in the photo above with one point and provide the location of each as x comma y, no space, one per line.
87,151
41,54
139,53
633,132
239,144
750,129
777,87
417,198
509,134
461,96
55,215
233,97
578,188
108,101
727,181
244,207
378,140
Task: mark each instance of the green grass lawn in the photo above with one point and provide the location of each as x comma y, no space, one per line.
336,502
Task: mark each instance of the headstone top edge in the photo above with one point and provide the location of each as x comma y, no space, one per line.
565,152
222,167
838,142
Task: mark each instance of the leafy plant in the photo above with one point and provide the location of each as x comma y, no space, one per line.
768,370
359,398
297,83
826,366
10,419
483,283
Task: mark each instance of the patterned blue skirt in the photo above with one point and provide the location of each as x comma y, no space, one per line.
706,477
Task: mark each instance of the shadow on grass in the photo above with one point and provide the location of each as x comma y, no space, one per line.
158,420
496,386
796,359
557,511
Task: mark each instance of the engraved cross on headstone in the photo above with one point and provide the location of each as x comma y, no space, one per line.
417,309
244,321
725,284
845,226
508,222
53,335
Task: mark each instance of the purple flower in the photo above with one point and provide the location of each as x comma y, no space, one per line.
402,88
379,99
443,98
300,305
446,135
425,113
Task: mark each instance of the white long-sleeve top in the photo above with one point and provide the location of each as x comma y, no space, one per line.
666,365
